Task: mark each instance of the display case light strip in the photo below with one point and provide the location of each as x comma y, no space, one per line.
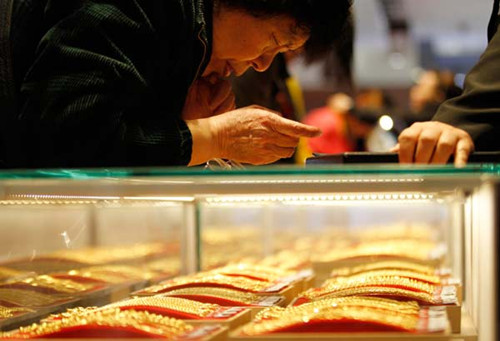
182,199
83,197
324,181
60,197
323,198
35,199
47,202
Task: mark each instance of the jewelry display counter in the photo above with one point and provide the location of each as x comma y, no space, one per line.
333,253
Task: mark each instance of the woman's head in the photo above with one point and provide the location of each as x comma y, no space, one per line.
249,33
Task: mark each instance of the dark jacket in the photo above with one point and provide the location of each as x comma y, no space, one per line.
477,110
108,83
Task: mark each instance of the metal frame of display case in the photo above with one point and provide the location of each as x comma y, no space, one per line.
477,212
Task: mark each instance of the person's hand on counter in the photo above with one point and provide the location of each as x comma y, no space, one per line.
208,97
433,143
251,135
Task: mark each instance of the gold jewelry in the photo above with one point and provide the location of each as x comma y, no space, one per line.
352,302
242,297
79,311
385,265
171,303
200,310
430,299
7,312
359,281
111,318
238,283
29,298
375,274
305,319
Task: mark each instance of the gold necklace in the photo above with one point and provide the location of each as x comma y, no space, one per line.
112,318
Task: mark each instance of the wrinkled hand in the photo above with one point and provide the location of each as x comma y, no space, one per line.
257,136
250,135
434,143
207,98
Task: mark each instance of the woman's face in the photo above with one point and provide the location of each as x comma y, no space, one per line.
241,41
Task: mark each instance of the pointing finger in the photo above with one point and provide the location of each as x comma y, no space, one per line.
292,128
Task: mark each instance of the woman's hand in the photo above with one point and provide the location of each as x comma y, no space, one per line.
208,97
252,135
434,143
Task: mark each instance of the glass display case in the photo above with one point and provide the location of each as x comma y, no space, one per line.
78,238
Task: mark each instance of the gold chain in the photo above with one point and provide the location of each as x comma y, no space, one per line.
330,315
222,293
315,295
373,274
240,283
387,265
337,284
171,303
352,302
114,318
6,312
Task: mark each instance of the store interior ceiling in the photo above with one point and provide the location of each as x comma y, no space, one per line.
395,39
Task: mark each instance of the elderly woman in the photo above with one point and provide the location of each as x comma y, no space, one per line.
143,82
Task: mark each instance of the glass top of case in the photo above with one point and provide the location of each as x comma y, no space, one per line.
333,170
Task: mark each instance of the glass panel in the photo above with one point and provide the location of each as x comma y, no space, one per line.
64,253
493,169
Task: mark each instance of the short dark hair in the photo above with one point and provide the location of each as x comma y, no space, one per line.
326,20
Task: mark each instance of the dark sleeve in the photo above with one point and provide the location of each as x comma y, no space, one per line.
477,110
93,98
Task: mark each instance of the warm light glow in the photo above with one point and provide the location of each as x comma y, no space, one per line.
386,123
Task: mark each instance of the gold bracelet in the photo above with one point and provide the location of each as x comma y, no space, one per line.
29,298
239,283
220,293
351,302
385,265
322,294
170,303
143,303
78,311
112,318
7,312
303,320
337,284
374,274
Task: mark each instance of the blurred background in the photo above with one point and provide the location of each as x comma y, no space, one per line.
403,59
396,39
